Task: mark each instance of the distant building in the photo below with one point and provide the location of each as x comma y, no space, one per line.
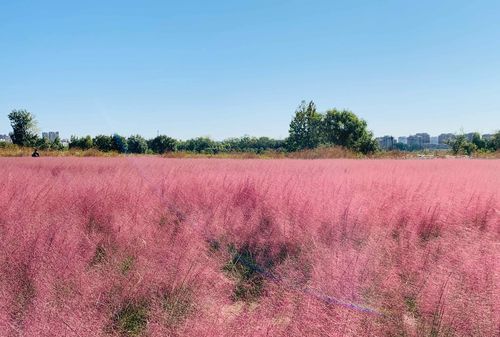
419,140
403,140
426,138
487,136
413,140
51,135
5,138
386,142
469,136
445,137
435,140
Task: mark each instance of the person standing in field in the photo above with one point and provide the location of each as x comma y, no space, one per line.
35,153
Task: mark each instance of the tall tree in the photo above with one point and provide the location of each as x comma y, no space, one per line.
24,131
342,128
345,129
304,132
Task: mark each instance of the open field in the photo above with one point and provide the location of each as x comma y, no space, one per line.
143,246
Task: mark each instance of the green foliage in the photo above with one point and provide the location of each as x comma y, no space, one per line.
251,144
110,143
478,141
42,144
131,318
119,143
309,129
46,144
162,144
494,143
103,143
57,145
345,129
305,128
23,128
137,144
83,143
200,145
460,145
366,143
342,128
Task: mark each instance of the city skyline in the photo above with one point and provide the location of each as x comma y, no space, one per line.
51,135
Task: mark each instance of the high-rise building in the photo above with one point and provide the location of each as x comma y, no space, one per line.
426,138
419,140
403,140
51,135
434,140
445,137
386,142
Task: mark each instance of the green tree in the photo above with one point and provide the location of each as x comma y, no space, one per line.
57,145
460,145
494,143
478,141
119,143
200,145
42,143
137,144
23,128
83,143
86,143
343,128
162,144
304,131
366,144
102,143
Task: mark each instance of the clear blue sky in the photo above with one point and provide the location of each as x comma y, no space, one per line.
228,68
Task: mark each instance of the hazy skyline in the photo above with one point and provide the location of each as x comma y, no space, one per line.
230,68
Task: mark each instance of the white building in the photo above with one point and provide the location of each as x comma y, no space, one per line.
5,138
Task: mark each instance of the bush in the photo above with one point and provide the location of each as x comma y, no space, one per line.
162,144
137,144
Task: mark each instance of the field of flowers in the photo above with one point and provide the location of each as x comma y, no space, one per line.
139,246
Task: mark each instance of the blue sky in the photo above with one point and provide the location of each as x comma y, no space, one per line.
229,68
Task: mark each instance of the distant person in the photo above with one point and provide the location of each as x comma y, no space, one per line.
35,153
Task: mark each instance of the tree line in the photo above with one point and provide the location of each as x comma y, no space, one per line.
308,129
460,144
162,144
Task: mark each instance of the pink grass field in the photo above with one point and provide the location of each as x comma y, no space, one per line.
141,246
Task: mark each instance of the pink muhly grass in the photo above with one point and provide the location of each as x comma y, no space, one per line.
201,247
